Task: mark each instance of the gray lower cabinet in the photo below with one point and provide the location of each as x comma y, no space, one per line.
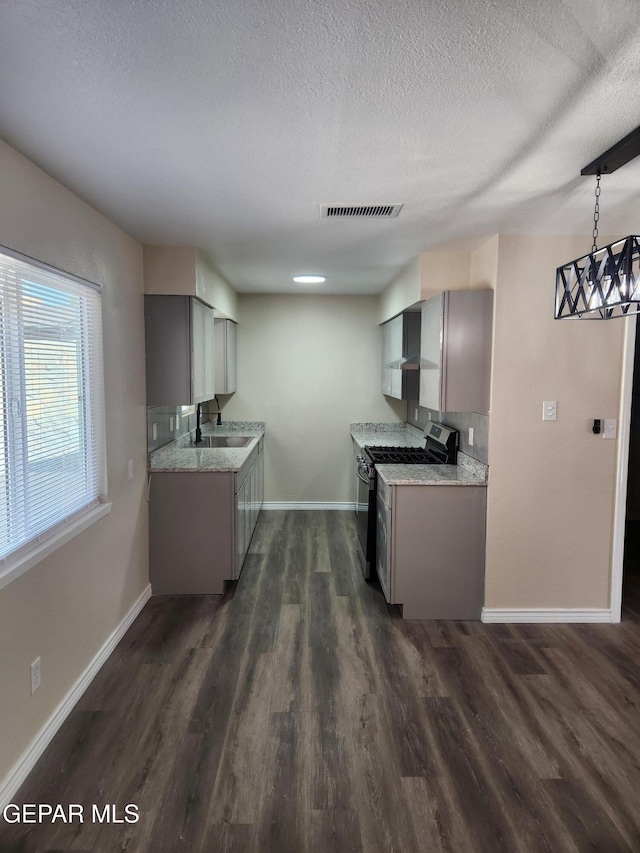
200,526
431,550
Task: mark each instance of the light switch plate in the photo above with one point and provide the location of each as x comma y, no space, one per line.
610,428
549,410
36,675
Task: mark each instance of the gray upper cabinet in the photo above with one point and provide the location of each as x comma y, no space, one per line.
400,343
179,338
455,350
225,338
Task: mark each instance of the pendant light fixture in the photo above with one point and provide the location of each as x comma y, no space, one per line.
606,282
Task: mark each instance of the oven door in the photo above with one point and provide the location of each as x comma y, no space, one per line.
365,519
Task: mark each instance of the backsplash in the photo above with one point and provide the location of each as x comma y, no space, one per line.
460,421
162,417
171,423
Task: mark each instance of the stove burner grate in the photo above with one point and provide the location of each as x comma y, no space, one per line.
400,456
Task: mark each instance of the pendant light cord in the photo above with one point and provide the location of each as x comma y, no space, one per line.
596,215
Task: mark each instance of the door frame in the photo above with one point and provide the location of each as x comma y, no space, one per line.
622,468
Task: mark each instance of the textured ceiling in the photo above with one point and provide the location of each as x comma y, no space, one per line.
225,124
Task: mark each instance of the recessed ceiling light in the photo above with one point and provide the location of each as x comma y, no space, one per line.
309,279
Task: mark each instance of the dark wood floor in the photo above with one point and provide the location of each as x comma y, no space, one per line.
299,714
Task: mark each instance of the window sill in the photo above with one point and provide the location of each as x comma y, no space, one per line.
41,550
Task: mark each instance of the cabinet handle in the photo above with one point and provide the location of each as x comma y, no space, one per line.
149,488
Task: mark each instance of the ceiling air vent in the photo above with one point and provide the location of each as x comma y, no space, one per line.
360,211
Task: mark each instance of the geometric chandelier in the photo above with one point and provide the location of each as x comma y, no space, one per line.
601,285
606,282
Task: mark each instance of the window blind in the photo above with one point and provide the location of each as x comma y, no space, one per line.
52,459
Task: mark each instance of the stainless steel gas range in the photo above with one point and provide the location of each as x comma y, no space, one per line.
441,448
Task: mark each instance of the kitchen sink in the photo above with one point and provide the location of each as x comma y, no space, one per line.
225,440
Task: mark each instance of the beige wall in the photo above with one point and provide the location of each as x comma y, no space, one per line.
309,366
170,270
65,608
483,265
551,485
430,274
187,271
441,271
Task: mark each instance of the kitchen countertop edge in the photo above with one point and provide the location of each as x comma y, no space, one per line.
432,475
397,433
181,457
467,472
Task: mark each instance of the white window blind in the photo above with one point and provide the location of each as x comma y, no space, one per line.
52,460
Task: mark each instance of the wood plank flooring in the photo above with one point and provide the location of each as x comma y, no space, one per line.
300,713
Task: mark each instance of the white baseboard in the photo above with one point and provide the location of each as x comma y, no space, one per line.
546,614
27,761
308,505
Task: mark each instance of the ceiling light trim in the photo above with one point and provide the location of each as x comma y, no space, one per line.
309,279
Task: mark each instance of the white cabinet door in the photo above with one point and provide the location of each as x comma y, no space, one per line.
455,364
392,352
385,373
260,482
431,341
226,356
202,354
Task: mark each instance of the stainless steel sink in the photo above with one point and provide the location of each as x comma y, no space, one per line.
225,440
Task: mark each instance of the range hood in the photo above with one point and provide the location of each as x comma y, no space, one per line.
401,356
408,362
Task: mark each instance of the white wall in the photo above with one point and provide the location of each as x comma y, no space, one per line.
403,291
309,365
214,289
65,608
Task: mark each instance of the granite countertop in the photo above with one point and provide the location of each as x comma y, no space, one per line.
397,434
182,456
468,471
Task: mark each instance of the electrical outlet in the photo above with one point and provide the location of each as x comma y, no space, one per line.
470,436
549,410
36,675
154,431
130,469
